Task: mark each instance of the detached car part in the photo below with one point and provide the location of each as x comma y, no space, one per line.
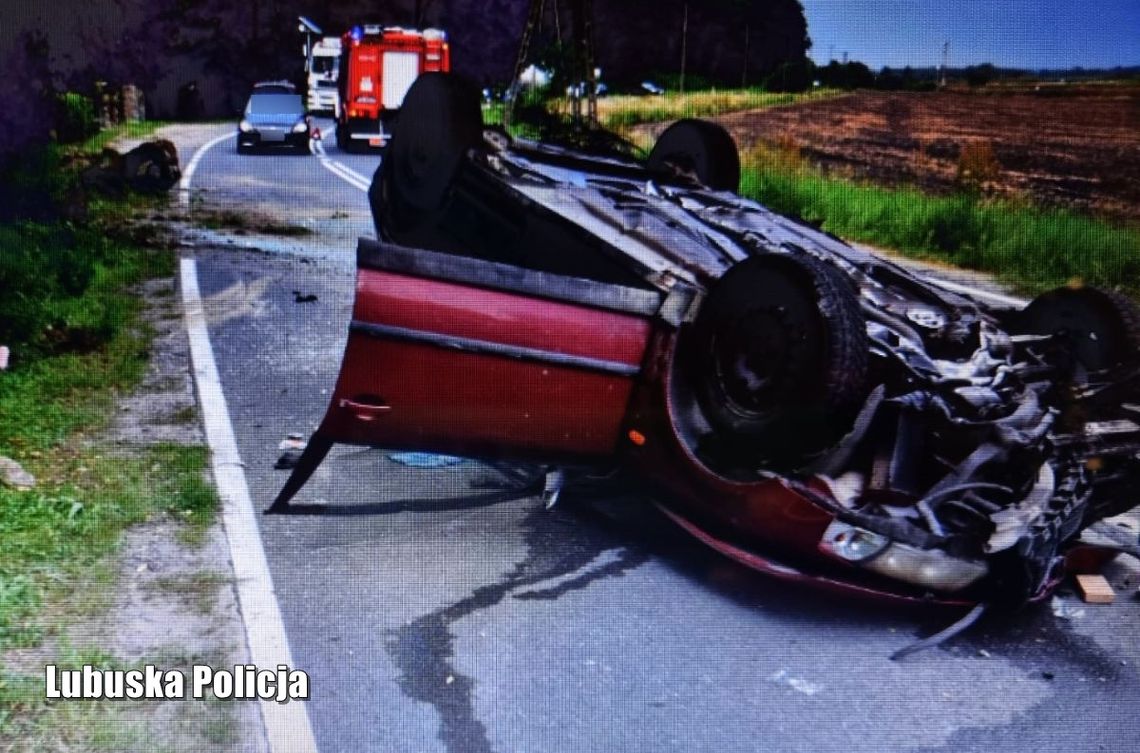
802,406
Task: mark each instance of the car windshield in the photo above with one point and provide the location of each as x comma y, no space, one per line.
325,65
275,104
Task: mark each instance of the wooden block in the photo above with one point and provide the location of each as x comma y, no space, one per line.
1095,589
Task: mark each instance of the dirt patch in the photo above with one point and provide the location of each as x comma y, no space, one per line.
1077,147
174,601
158,410
167,598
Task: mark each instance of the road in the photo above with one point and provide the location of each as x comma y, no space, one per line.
449,612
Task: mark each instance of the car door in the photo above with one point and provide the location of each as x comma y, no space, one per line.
465,356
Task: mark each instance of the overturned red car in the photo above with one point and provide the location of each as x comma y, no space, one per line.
805,407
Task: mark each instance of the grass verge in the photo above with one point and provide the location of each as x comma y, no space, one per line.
621,112
132,130
1029,248
38,725
82,344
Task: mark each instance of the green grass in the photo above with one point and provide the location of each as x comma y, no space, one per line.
55,533
134,130
29,723
1030,248
621,112
78,343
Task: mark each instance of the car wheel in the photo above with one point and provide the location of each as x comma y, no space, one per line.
699,148
778,360
439,121
1100,328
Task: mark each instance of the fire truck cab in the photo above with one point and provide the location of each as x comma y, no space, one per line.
378,65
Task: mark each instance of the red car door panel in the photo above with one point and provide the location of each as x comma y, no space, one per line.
461,355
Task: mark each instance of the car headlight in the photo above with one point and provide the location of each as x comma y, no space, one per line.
853,544
929,568
244,126
300,127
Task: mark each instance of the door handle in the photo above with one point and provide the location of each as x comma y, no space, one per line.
365,411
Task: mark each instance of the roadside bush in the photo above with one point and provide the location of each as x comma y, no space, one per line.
33,185
1035,249
75,118
851,75
44,273
795,76
671,81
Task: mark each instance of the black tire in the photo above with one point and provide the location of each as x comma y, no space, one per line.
702,149
439,121
1101,329
778,360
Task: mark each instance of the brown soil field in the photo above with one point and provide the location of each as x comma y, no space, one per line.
1076,147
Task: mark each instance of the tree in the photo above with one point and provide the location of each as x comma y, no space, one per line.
980,75
28,89
794,76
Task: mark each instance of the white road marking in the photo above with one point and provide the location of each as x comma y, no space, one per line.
366,180
188,173
337,169
287,727
341,170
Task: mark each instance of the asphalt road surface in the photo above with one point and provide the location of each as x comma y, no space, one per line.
442,609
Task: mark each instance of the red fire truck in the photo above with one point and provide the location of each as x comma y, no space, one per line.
377,66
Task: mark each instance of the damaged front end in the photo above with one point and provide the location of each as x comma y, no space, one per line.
973,460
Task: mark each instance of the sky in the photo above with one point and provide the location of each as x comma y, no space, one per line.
1008,33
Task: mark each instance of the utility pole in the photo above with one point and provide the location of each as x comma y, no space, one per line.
945,63
747,50
533,19
585,8
684,44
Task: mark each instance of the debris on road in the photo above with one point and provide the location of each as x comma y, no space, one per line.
13,475
806,687
424,459
292,447
4,354
1064,611
1095,589
299,297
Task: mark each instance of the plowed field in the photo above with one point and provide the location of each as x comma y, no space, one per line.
1077,147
